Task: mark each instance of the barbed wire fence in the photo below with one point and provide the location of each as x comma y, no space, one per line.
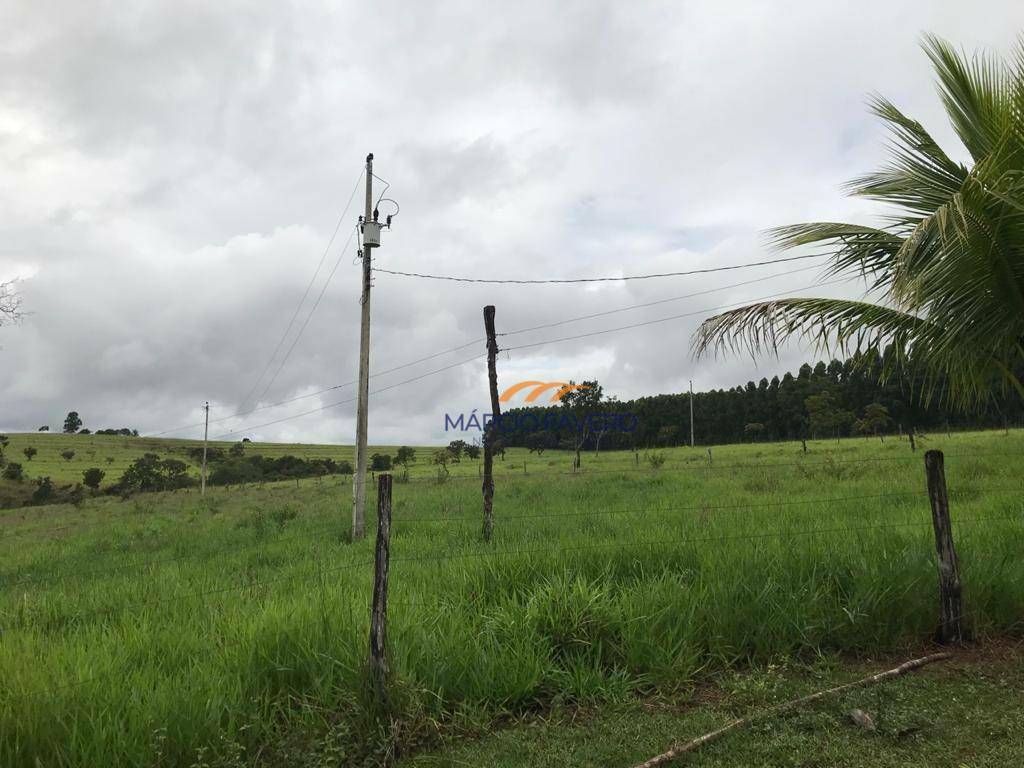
953,619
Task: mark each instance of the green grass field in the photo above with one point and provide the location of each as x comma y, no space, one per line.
231,630
965,713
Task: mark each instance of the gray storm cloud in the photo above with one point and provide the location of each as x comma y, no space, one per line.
172,172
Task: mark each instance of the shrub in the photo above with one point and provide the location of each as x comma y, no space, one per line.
282,516
43,491
13,471
30,452
380,462
656,459
213,454
68,455
150,473
93,476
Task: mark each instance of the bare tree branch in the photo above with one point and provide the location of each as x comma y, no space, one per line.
10,303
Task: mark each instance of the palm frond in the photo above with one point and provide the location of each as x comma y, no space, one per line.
976,94
965,373
920,176
864,251
949,265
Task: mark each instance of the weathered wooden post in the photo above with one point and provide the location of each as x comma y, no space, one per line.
491,430
910,432
379,609
711,461
950,592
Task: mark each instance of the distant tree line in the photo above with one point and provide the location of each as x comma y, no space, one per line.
835,399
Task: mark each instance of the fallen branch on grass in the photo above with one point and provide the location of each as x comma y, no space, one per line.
743,722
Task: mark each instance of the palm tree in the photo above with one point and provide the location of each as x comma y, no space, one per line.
948,264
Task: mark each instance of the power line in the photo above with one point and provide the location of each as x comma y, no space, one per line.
309,317
656,302
666,319
491,281
348,400
305,294
308,395
480,341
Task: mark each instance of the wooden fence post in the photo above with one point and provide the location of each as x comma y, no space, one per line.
711,462
910,432
950,592
379,610
491,431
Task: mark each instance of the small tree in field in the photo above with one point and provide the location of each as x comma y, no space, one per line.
875,418
92,477
472,451
582,402
405,456
13,471
44,428
72,423
4,441
824,414
68,455
456,448
30,452
753,430
538,442
668,435
440,458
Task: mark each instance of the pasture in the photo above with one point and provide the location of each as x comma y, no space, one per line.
228,630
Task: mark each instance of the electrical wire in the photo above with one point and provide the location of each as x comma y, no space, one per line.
305,294
495,281
481,341
309,316
656,302
279,403
348,400
670,317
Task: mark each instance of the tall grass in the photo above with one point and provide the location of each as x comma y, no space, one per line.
172,630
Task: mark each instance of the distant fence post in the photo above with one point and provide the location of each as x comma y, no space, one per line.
711,461
379,610
950,592
910,432
491,430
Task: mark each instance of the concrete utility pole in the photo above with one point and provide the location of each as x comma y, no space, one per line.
359,478
691,413
206,435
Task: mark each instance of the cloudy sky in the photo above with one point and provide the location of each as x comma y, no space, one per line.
171,174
